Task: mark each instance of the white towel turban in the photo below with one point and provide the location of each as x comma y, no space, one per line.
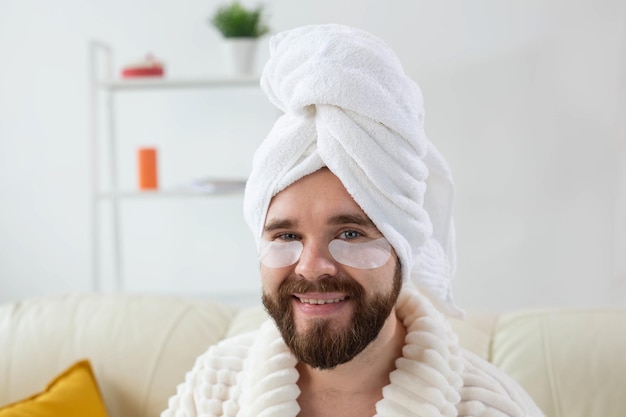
349,106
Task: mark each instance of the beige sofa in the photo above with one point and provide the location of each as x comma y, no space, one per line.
573,362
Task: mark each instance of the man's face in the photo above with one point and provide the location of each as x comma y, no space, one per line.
327,312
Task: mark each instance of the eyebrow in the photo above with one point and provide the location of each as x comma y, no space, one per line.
340,219
277,224
351,219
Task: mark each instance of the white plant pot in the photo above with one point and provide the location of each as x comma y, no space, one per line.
240,56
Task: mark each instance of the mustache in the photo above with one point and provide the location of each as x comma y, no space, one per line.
341,284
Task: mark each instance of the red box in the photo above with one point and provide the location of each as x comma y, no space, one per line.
150,67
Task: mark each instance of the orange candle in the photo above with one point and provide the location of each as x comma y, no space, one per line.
147,168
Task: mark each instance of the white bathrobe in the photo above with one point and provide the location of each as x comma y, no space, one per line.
254,375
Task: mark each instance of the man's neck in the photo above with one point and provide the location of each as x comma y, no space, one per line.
352,389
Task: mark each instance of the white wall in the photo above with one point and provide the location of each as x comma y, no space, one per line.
523,98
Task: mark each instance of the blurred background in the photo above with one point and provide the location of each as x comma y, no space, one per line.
524,99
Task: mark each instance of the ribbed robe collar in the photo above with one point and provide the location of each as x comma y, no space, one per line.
426,381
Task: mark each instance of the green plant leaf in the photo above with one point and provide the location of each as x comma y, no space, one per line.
235,21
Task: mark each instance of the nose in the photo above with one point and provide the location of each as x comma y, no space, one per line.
316,261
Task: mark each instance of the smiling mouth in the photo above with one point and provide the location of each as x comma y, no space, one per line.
318,301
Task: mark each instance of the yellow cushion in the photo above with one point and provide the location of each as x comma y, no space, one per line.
74,393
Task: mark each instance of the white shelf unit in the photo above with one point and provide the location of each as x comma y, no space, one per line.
104,83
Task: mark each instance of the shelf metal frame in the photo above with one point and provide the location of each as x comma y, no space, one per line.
103,85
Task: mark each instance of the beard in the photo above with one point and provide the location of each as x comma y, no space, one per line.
321,345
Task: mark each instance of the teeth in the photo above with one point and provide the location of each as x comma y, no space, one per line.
319,301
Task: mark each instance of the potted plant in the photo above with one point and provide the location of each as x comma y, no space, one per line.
241,28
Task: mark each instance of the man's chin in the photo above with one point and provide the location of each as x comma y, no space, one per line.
332,326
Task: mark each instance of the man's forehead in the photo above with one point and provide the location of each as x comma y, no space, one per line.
319,184
319,197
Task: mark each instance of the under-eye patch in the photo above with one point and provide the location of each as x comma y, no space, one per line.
280,254
363,255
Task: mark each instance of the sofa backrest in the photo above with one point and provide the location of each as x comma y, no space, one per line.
572,362
140,346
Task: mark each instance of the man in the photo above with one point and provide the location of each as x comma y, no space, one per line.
350,205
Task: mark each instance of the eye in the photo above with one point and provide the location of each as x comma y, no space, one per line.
350,235
287,237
